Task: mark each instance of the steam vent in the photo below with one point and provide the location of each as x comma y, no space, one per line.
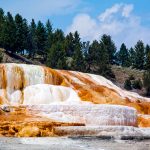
40,101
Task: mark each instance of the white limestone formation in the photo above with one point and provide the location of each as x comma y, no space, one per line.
49,94
89,114
19,76
26,85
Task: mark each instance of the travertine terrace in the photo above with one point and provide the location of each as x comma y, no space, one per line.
35,99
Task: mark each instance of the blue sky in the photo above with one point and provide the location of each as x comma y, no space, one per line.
125,20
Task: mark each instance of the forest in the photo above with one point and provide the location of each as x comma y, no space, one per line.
53,48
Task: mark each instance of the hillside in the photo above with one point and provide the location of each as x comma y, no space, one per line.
121,73
16,58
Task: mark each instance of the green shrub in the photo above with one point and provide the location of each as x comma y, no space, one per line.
127,84
1,56
146,82
131,77
137,84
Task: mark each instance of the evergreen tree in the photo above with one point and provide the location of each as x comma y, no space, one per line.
117,59
124,56
58,36
1,26
139,55
41,37
104,67
147,59
92,57
147,49
26,35
49,28
9,33
17,36
20,38
85,48
69,45
86,56
110,47
132,56
78,60
32,39
97,60
49,35
57,56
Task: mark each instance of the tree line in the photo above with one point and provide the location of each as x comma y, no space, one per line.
57,50
53,48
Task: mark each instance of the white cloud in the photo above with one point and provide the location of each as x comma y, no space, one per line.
85,24
109,12
117,21
127,9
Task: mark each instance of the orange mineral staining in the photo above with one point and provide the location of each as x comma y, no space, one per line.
21,123
16,80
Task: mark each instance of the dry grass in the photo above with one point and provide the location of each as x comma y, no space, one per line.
9,59
122,73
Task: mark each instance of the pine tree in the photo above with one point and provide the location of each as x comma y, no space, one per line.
49,35
9,33
86,55
132,56
49,28
57,56
78,60
147,59
139,55
58,36
123,56
26,35
69,45
1,26
85,48
41,37
32,39
92,58
110,47
97,60
147,49
20,38
104,67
